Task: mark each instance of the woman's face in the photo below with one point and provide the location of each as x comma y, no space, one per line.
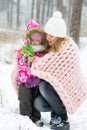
51,39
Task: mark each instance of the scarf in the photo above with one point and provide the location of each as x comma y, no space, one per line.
62,70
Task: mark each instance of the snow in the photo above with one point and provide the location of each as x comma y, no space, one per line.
10,119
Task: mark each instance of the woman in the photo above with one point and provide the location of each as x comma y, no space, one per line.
63,87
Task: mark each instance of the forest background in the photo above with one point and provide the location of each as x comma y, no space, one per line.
15,14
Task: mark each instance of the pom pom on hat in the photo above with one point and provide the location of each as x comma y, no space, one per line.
57,14
56,25
32,24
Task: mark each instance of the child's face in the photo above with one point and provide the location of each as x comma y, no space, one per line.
36,39
35,42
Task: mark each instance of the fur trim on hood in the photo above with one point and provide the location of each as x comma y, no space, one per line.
36,30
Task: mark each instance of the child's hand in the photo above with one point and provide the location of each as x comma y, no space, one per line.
34,59
25,43
25,56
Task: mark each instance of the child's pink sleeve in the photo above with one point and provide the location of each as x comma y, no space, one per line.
14,76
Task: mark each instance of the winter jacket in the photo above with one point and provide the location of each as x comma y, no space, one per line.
24,73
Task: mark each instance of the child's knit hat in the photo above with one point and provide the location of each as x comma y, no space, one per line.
56,25
32,24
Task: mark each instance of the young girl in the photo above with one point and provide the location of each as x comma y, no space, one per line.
33,46
63,89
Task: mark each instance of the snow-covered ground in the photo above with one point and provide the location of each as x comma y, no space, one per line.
10,119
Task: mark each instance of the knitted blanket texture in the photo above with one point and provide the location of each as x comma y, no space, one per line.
62,70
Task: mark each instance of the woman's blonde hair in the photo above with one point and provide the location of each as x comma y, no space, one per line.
56,46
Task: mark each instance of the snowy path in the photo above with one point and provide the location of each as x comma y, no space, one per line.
10,119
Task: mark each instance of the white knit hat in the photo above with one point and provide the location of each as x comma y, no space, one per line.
56,25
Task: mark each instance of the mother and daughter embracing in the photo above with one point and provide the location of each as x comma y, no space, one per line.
47,75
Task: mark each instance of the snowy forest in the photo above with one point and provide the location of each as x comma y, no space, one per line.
14,16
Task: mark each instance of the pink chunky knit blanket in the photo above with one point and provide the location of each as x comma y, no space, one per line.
62,70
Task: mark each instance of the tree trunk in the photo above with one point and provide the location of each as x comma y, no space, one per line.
32,9
18,13
48,8
76,20
69,14
60,5
43,12
51,8
11,13
38,10
8,15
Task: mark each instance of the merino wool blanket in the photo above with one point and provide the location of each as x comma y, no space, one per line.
62,70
